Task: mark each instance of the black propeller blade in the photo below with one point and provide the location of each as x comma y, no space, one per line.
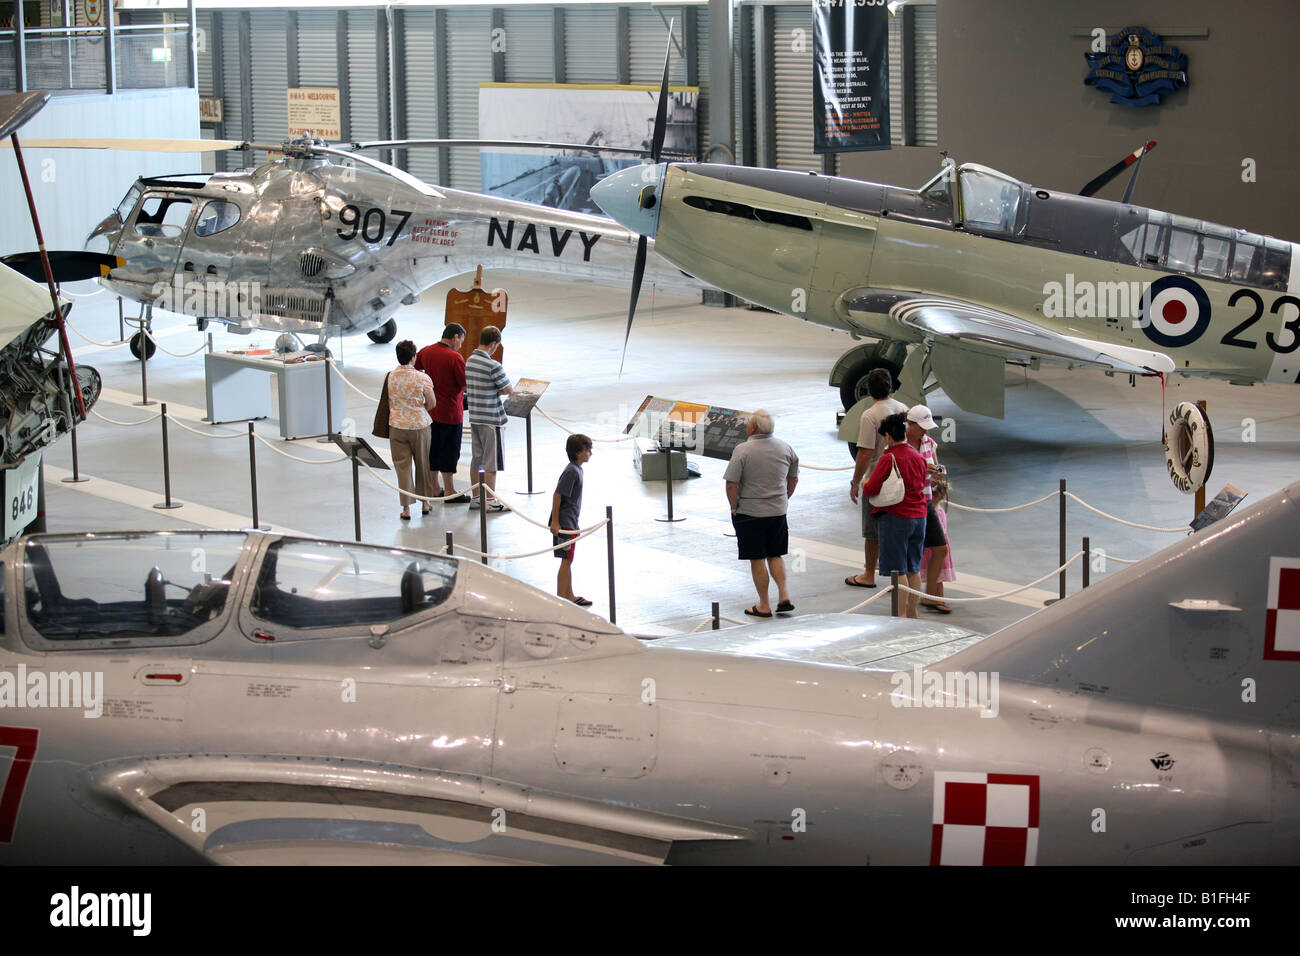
69,266
1118,168
656,147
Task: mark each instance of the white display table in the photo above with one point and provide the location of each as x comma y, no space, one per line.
236,391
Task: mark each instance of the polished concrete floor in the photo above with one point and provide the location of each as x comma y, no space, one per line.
1099,433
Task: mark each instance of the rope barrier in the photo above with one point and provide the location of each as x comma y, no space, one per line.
371,399
532,554
113,421
564,428
80,295
994,597
1027,504
180,424
1131,524
1106,556
161,348
875,597
384,481
827,467
305,461
103,345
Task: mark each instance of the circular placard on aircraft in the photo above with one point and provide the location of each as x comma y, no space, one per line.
1175,311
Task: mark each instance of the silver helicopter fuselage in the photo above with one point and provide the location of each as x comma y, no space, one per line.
301,243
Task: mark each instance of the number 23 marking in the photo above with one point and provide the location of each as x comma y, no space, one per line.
1291,327
24,739
371,223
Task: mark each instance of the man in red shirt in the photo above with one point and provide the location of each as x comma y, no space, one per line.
443,363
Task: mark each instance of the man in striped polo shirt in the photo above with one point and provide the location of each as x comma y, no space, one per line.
485,383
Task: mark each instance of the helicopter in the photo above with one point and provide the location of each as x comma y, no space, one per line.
325,239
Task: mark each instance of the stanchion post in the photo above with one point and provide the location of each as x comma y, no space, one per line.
166,504
451,551
609,547
329,411
668,475
76,458
252,471
121,321
1087,559
893,593
482,515
717,616
144,363
209,343
528,443
356,494
1062,540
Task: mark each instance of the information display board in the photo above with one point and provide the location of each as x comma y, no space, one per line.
707,430
527,393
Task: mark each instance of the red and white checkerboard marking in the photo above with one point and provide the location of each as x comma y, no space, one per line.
1282,623
985,819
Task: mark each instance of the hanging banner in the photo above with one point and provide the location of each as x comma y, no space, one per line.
850,75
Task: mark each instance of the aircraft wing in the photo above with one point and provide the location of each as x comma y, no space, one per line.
951,321
850,640
24,301
284,810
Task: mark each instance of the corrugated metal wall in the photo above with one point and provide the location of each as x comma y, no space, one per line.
591,44
318,51
590,56
469,63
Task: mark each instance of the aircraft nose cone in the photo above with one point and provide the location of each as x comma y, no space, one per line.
631,197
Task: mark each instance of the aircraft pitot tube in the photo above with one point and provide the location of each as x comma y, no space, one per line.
36,406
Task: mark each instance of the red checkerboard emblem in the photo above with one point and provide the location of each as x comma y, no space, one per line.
1282,622
985,819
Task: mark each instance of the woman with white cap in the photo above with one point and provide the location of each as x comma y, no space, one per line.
919,422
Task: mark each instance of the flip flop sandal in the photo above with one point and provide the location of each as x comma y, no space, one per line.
784,607
937,607
853,582
755,612
581,602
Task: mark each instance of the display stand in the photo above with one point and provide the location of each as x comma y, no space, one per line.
359,452
519,404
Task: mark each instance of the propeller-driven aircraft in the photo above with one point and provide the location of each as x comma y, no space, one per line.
248,697
327,237
42,393
973,270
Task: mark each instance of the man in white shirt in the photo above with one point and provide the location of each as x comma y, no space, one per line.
870,444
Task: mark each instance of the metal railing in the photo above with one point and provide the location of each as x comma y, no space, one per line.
108,57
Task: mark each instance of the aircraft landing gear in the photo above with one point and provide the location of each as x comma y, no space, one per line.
853,387
149,347
850,375
385,333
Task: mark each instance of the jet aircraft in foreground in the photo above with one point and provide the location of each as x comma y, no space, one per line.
245,697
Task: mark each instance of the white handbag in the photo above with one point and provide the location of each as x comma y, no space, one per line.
892,491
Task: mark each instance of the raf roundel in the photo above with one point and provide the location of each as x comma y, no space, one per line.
1175,311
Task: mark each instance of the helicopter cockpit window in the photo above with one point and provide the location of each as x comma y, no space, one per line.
217,216
990,203
128,202
123,588
162,216
327,585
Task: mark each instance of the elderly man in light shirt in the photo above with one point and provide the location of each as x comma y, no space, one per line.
760,480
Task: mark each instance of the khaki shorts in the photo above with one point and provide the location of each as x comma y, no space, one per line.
868,519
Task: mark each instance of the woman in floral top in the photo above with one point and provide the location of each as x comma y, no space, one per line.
410,397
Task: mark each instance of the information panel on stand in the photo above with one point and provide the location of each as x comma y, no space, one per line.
701,429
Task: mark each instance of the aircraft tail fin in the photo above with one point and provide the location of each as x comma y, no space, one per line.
1209,625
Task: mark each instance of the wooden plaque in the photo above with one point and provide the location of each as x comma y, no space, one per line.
476,308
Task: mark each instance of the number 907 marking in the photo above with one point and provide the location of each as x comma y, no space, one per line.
370,223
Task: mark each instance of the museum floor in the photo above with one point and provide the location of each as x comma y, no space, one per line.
1099,433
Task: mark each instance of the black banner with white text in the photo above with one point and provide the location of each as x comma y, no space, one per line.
850,75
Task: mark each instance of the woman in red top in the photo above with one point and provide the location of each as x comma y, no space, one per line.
901,526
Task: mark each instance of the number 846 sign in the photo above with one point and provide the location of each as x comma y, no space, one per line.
20,495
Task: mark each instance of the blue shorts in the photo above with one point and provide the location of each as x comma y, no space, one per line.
901,542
